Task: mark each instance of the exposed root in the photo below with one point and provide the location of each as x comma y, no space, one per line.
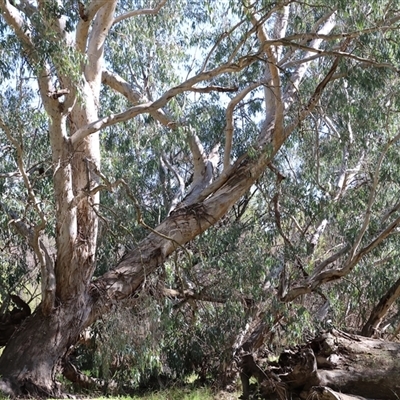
12,388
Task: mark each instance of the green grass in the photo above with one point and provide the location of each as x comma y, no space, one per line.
175,394
178,394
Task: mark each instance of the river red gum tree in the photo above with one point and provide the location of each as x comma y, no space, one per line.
71,299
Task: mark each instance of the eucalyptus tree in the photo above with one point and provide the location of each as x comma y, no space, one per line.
166,82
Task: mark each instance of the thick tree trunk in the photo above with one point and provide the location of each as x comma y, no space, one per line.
31,359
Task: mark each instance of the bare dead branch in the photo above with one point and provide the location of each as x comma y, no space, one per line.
322,265
58,93
189,294
209,89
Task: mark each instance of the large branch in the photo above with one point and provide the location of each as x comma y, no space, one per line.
119,84
281,24
151,107
272,92
15,21
381,309
187,222
298,75
86,15
101,26
181,226
143,11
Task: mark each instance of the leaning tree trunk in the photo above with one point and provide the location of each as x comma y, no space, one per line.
31,358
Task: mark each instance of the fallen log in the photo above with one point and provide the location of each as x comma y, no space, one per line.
325,393
344,363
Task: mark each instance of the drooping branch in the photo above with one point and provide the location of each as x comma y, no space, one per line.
143,11
334,274
313,101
